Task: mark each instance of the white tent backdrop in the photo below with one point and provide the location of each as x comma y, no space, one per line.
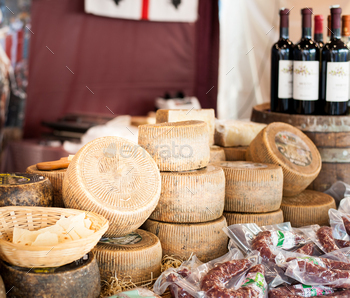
248,29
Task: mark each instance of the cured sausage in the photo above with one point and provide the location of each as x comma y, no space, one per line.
213,283
282,239
307,249
325,237
325,263
298,291
346,222
316,274
342,243
175,290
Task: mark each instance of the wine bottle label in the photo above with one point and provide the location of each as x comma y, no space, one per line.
305,80
285,79
337,87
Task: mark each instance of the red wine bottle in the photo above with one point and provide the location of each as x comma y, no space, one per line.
306,69
334,87
282,68
318,31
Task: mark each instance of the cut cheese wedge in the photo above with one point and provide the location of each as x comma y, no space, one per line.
217,154
261,219
177,146
56,179
230,133
284,145
191,196
22,189
206,115
137,257
252,187
308,208
237,153
205,240
116,178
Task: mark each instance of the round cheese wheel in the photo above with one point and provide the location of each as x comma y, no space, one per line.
235,153
261,219
115,178
78,279
137,256
307,208
252,187
217,154
56,179
22,189
285,145
191,196
205,240
177,146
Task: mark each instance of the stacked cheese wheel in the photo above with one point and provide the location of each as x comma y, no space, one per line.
253,192
119,180
189,216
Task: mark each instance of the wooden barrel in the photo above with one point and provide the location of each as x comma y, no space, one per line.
331,135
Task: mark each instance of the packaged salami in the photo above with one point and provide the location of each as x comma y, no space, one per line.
300,290
250,237
229,276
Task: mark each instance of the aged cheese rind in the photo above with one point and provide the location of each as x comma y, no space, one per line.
252,187
191,196
308,208
23,189
115,178
261,219
285,145
206,115
140,261
217,154
56,179
229,133
237,153
205,240
176,146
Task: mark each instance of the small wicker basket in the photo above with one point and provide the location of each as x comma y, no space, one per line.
34,218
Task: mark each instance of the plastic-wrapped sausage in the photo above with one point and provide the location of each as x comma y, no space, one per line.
282,239
175,290
307,249
254,286
342,243
300,290
325,263
311,272
325,237
346,224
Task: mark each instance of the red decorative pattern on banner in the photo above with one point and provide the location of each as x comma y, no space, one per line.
145,7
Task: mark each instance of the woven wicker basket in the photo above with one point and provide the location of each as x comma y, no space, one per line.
34,218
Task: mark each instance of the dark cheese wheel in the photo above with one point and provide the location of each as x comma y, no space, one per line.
22,189
80,279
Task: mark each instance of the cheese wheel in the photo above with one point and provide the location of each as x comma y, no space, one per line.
285,145
235,153
115,178
205,240
56,179
137,256
22,189
206,115
261,219
177,146
79,279
229,133
217,154
192,196
307,208
252,187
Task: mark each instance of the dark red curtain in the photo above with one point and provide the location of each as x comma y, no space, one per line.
83,63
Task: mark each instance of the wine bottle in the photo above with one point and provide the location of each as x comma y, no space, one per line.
282,68
329,25
318,31
334,87
306,69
